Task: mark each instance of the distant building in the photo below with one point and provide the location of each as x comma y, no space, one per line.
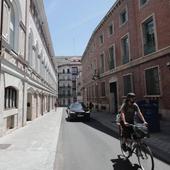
68,69
27,73
129,51
79,87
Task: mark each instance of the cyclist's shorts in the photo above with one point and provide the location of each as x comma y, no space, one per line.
127,131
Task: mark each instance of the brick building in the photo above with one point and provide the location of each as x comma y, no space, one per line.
129,51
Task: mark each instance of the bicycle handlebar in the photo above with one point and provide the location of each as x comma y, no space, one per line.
132,125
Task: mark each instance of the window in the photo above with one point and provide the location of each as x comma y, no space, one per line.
68,70
152,81
69,93
41,67
30,49
73,78
39,63
10,122
63,71
69,101
87,93
128,84
142,2
10,98
12,28
74,70
111,58
102,63
125,50
101,39
36,57
93,88
5,20
74,84
22,42
123,17
96,91
111,29
33,57
103,91
148,36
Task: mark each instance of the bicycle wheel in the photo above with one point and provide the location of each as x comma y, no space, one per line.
145,157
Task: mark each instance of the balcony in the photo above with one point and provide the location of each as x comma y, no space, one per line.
75,73
68,79
64,87
64,95
65,73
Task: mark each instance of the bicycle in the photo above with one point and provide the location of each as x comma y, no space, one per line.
136,146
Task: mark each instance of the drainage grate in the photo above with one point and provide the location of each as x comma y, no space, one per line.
4,146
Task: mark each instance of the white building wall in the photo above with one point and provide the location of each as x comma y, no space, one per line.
17,74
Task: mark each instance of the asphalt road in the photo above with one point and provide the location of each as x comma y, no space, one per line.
92,146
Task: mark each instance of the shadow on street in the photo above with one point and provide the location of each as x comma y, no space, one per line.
124,164
76,120
120,163
99,126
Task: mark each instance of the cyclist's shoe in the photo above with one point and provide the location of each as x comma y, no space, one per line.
124,147
128,148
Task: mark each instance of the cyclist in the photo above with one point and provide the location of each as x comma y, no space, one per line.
128,111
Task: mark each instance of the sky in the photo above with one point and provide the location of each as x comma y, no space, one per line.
72,22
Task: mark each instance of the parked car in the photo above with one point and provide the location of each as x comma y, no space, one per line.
78,110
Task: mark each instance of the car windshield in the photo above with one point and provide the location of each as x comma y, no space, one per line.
76,106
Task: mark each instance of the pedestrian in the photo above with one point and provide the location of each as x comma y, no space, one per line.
56,105
91,106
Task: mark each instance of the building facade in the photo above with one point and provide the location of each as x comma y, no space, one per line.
28,82
68,69
79,86
129,51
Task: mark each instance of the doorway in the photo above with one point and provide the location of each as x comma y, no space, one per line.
29,106
113,97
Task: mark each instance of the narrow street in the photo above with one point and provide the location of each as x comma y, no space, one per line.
90,145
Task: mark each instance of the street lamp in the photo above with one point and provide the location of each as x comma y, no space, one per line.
95,75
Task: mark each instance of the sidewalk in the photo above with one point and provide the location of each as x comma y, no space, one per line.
159,142
32,147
